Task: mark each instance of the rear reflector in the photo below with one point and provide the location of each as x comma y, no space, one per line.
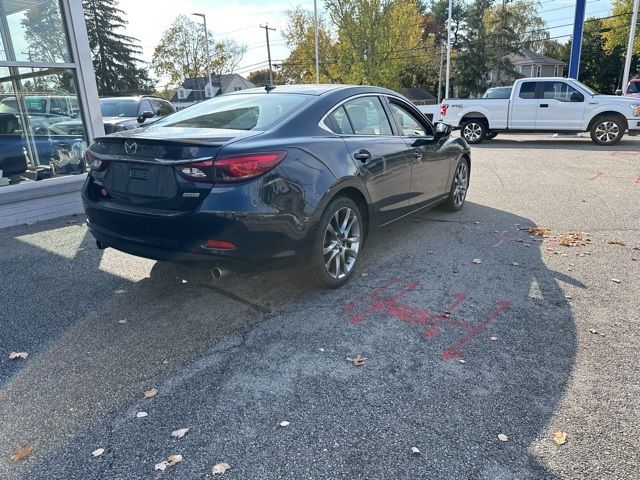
220,245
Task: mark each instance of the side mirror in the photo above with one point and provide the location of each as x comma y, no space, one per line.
442,130
576,97
144,115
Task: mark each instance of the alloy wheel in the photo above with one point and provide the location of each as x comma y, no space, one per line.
607,132
341,243
460,184
472,131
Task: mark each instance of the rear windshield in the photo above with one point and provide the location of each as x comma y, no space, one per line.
236,112
497,93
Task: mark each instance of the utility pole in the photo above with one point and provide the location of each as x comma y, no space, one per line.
440,75
632,39
446,90
206,46
266,30
315,38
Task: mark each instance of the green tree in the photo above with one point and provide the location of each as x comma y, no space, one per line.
45,34
181,53
261,77
116,56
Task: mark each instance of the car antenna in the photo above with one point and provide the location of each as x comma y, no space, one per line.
268,87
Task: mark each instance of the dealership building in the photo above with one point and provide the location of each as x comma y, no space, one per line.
48,108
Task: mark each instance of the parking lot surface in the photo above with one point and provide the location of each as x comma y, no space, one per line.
471,327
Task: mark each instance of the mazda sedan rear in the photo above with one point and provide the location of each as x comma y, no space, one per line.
299,174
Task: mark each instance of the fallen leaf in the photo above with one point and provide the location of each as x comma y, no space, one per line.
122,321
180,432
141,414
184,281
636,248
150,393
539,231
476,261
15,355
560,437
594,331
357,361
616,280
462,361
220,468
284,423
502,437
617,242
169,462
515,264
493,339
415,451
97,452
575,239
365,274
21,453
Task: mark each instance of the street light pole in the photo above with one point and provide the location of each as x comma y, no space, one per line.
206,45
632,38
315,38
446,88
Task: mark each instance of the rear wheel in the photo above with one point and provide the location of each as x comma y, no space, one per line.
459,187
473,131
337,243
607,130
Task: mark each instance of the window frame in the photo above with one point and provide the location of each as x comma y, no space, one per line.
429,130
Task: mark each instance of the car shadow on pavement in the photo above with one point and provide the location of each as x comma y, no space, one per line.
628,145
465,331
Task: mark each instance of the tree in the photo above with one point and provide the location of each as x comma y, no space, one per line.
261,77
181,53
116,56
45,34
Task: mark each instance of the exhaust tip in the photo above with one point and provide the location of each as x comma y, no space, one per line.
216,272
100,245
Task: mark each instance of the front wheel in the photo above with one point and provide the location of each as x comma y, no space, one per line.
337,243
607,130
473,131
459,187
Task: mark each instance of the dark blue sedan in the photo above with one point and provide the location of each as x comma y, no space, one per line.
260,178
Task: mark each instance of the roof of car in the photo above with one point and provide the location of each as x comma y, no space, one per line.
138,98
306,89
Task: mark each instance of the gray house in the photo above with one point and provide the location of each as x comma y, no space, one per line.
194,90
530,64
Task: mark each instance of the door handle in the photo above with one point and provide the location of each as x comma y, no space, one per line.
417,155
363,155
544,105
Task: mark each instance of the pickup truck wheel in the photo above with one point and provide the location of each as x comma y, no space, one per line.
473,131
607,130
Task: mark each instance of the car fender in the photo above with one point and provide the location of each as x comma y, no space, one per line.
607,108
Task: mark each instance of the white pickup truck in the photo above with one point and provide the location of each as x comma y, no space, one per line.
552,105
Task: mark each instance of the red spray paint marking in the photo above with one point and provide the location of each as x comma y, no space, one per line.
637,180
374,302
501,239
597,175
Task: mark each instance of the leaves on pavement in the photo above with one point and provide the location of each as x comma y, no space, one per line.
180,432
141,414
284,423
22,453
560,437
539,231
575,239
616,242
477,261
502,437
18,355
415,450
220,468
97,452
150,393
357,361
169,462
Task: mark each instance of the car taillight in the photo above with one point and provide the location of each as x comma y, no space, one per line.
238,168
197,171
94,162
443,109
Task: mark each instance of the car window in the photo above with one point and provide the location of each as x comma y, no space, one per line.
528,90
338,122
257,111
118,108
497,93
410,126
558,91
367,116
9,124
633,87
145,106
162,108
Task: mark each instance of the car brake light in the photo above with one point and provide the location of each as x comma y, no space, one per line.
220,245
94,162
238,168
443,109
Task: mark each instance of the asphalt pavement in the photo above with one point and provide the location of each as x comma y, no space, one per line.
470,326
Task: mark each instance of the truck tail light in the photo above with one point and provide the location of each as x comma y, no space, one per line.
443,109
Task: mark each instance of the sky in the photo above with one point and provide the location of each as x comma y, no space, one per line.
240,21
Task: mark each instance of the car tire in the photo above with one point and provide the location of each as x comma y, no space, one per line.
459,187
473,131
333,258
490,135
607,130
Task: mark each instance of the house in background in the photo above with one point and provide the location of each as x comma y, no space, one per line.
194,90
419,96
530,64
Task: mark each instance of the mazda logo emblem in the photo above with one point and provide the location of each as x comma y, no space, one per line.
130,147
